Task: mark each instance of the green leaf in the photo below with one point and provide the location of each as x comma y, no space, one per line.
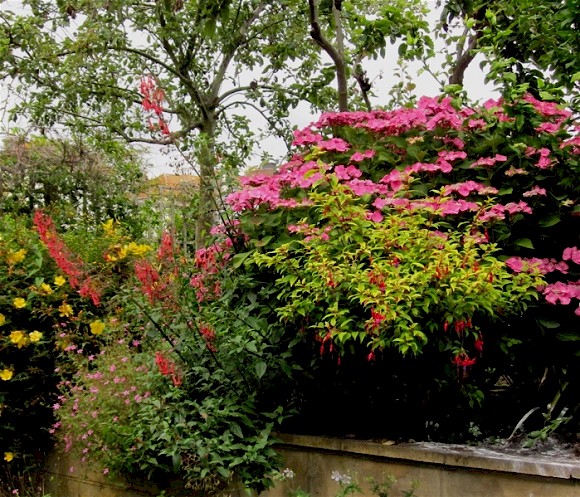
261,367
239,259
568,337
550,221
525,242
236,430
549,324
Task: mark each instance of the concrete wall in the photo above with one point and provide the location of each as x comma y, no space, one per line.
440,470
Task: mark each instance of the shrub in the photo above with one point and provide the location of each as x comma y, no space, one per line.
500,182
185,402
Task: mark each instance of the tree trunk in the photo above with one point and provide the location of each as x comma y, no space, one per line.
207,181
463,60
335,53
340,63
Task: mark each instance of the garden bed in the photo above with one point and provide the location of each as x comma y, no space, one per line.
441,470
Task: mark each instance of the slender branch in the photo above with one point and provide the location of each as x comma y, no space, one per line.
252,87
333,53
221,72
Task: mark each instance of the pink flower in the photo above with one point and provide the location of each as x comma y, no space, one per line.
571,254
359,157
305,137
561,292
334,145
548,128
375,216
489,161
536,190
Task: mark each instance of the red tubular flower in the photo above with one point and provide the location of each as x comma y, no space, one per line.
478,344
166,367
166,249
377,318
68,263
208,335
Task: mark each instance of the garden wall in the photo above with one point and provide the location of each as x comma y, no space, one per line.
440,470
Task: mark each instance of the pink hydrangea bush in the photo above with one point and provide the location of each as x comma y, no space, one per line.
505,173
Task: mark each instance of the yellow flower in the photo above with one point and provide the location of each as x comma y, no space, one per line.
19,303
35,336
97,327
2,319
19,338
133,248
65,310
8,456
45,289
6,374
59,280
108,227
15,257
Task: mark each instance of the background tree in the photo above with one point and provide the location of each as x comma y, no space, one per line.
77,182
537,41
162,72
350,32
187,73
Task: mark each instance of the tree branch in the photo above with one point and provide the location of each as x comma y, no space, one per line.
463,60
220,73
334,54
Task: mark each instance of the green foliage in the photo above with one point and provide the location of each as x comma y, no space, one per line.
185,392
525,42
393,283
80,184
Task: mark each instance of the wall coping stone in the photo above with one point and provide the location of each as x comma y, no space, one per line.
449,455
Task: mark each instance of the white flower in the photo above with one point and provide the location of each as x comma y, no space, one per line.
340,478
288,474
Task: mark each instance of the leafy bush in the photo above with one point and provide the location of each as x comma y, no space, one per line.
50,308
500,181
174,399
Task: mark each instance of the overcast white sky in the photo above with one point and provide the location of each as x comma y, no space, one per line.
381,73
